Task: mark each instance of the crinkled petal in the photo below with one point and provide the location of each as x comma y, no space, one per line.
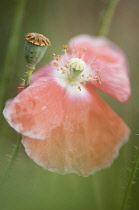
36,110
110,61
87,140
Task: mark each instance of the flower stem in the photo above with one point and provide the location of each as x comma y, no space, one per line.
130,182
9,63
12,159
12,47
17,145
106,18
27,77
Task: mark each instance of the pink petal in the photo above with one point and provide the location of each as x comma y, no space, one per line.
112,63
87,140
44,71
36,110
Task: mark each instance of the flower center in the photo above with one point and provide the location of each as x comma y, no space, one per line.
76,67
73,73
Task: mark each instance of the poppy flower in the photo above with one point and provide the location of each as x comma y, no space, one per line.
66,127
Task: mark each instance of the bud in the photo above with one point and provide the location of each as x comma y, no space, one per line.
35,48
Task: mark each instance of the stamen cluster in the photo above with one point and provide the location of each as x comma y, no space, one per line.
73,70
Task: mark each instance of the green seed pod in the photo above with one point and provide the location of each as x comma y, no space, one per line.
35,48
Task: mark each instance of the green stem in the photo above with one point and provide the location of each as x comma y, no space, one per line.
9,64
11,51
107,17
12,160
16,148
27,77
130,182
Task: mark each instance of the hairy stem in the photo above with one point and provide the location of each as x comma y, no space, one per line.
12,47
27,77
106,18
130,182
12,159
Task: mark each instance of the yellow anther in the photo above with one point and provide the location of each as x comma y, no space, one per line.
79,88
65,46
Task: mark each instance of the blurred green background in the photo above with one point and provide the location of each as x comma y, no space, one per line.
28,186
